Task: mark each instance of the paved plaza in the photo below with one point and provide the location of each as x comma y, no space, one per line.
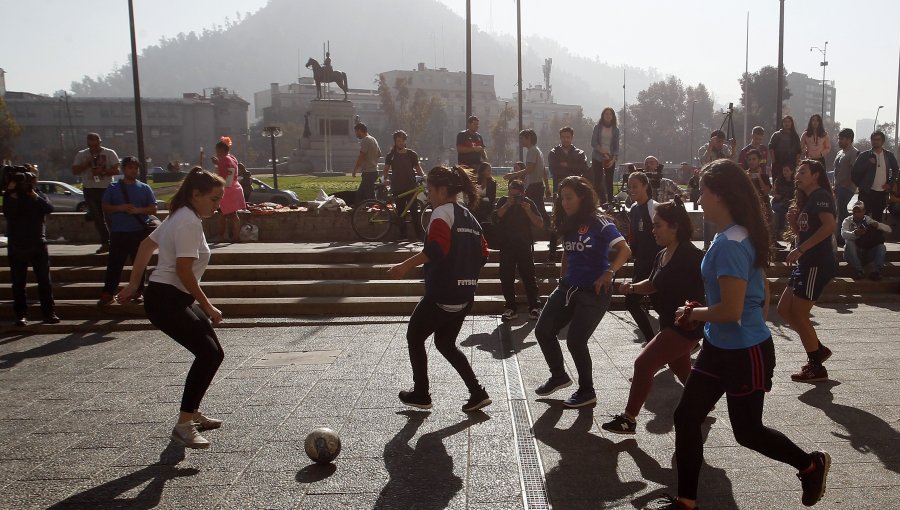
85,420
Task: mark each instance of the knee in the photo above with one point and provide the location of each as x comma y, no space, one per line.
746,435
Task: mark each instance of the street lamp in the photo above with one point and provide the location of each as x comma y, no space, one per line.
875,126
273,132
824,64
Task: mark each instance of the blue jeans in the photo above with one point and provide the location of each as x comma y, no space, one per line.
856,256
843,196
582,310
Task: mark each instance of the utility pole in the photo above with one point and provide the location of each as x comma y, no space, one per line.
897,113
746,88
468,60
824,64
138,117
780,94
624,112
519,44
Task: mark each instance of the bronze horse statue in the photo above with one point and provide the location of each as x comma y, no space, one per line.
319,74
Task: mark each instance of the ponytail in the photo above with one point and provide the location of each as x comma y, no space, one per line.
197,179
457,179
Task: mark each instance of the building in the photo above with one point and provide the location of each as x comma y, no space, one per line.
290,103
806,98
2,82
175,129
541,113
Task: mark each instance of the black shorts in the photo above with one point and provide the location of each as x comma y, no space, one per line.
740,371
808,281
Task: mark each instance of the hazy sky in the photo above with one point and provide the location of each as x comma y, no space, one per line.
49,43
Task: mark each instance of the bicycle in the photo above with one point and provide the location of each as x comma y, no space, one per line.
373,218
617,209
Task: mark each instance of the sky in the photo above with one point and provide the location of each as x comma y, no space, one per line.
51,43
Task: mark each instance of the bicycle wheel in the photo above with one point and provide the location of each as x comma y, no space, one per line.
371,220
425,217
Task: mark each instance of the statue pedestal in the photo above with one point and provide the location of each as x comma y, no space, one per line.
336,118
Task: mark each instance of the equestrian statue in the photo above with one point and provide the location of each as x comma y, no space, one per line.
325,74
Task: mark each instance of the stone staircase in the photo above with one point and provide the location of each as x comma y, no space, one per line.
279,280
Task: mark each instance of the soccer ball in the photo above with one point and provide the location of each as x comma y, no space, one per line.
322,445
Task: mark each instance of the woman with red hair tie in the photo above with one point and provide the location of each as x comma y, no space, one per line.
233,199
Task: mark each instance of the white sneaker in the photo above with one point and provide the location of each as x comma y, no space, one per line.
509,314
205,422
187,434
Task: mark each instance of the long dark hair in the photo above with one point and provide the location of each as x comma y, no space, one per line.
613,124
793,125
197,179
815,167
674,213
820,131
587,210
484,174
457,179
731,183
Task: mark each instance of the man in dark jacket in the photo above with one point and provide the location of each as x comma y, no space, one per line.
873,172
565,159
25,210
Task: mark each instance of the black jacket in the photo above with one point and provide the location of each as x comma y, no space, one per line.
25,217
575,158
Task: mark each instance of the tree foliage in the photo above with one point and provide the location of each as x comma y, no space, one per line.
502,137
9,131
422,116
761,106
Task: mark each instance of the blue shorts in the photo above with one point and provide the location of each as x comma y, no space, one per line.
808,281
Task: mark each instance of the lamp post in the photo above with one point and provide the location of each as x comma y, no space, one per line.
273,132
875,125
780,92
138,117
824,64
468,60
519,48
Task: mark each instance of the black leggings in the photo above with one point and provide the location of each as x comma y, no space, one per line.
176,314
701,393
429,318
642,271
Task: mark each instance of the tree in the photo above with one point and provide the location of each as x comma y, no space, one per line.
862,139
502,136
422,116
9,131
762,105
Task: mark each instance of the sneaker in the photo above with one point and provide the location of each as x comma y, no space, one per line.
509,314
477,400
859,276
104,248
534,314
876,276
813,483
552,385
205,422
413,399
810,373
581,398
620,424
138,299
186,433
667,503
21,321
105,299
51,319
826,353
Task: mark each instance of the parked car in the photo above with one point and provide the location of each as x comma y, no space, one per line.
64,197
262,192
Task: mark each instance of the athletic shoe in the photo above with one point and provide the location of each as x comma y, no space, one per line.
813,483
534,314
581,398
21,321
825,353
104,248
477,400
875,276
205,422
413,399
138,299
51,319
552,385
105,299
859,276
509,314
667,503
810,373
620,424
186,433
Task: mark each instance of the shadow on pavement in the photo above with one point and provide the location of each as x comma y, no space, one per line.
503,341
866,432
153,478
662,401
315,473
422,476
64,344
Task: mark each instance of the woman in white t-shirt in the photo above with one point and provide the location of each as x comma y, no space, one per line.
174,301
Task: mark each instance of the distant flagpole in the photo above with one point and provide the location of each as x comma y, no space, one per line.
624,106
746,73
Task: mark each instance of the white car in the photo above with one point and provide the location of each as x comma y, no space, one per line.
64,197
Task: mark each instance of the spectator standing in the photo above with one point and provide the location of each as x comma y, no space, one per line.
716,148
565,159
865,242
514,217
844,189
756,142
662,188
401,166
487,192
470,149
815,143
784,146
128,203
174,301
96,166
643,247
366,162
537,182
585,287
874,171
233,198
605,152
454,253
812,221
26,209
694,187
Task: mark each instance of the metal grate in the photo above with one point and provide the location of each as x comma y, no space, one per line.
531,470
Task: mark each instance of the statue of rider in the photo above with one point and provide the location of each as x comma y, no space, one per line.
329,71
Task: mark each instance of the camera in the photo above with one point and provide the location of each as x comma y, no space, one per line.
23,178
516,199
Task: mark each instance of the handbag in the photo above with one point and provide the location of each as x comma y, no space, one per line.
152,221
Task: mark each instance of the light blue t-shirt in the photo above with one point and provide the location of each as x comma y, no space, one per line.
731,254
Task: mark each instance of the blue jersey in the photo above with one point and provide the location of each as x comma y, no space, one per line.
732,254
587,251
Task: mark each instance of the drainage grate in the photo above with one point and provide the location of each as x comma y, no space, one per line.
531,470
